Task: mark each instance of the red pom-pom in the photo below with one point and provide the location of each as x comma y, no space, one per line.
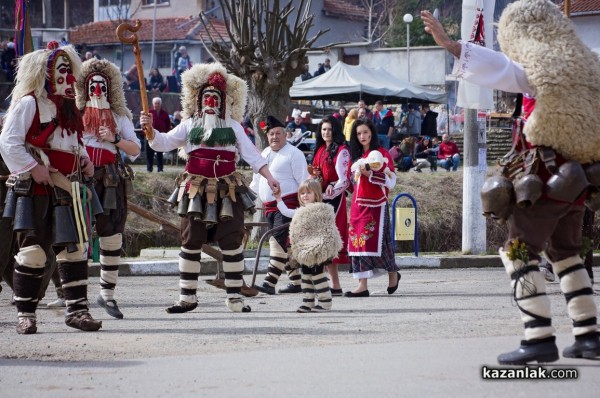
53,45
217,80
262,125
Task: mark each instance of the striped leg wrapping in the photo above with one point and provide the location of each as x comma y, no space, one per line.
321,283
27,278
576,286
308,289
110,258
74,280
278,258
189,270
294,274
529,292
233,267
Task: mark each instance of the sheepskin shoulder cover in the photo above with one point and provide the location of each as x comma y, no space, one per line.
314,235
565,74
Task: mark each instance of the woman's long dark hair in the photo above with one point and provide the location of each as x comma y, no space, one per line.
337,136
356,148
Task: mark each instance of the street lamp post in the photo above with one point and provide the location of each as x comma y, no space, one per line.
408,18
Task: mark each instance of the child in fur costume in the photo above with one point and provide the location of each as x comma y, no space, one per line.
315,242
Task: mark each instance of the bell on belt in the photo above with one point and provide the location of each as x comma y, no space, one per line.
226,209
195,208
247,202
109,201
210,214
64,231
173,198
128,187
23,214
252,196
96,205
592,201
10,203
182,208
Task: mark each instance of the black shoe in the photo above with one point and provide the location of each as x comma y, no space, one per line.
586,346
364,293
303,309
543,350
337,292
266,288
290,288
83,321
391,290
110,306
180,307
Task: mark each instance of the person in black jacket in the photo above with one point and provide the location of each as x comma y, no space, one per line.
429,123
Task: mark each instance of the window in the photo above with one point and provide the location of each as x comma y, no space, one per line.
112,3
151,2
163,59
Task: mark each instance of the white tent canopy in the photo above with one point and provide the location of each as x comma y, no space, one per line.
354,82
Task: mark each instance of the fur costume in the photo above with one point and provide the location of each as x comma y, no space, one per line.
194,79
118,104
314,235
561,68
32,73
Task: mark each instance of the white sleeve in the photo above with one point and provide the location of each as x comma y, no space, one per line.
390,180
254,185
127,131
176,138
489,68
247,149
299,166
12,140
283,209
342,164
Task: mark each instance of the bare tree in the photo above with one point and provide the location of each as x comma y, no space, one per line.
266,46
381,15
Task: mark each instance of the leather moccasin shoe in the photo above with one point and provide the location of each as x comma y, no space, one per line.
83,321
26,325
290,288
265,289
180,307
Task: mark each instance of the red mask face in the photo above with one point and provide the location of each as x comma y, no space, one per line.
211,102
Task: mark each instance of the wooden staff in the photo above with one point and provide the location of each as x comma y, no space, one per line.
133,39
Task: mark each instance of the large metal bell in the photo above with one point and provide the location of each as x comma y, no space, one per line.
247,201
173,198
96,205
195,207
182,207
109,200
210,214
226,212
10,204
64,231
23,214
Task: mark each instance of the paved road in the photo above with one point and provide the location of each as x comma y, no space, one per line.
430,339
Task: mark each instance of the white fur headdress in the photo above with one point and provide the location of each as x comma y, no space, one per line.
194,79
118,104
32,72
564,72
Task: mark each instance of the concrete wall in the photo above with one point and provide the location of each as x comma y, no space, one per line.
588,29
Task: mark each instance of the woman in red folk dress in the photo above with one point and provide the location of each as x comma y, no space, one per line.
331,166
369,238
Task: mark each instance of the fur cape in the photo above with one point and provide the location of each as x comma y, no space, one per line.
564,73
118,104
32,72
314,235
194,79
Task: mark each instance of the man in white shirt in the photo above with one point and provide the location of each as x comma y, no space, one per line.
288,166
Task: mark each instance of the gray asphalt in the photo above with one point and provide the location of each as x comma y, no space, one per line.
430,339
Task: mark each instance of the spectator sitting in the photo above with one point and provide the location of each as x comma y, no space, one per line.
407,158
448,154
297,124
157,82
425,155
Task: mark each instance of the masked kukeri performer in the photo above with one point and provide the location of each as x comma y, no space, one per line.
42,135
108,131
211,196
553,164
